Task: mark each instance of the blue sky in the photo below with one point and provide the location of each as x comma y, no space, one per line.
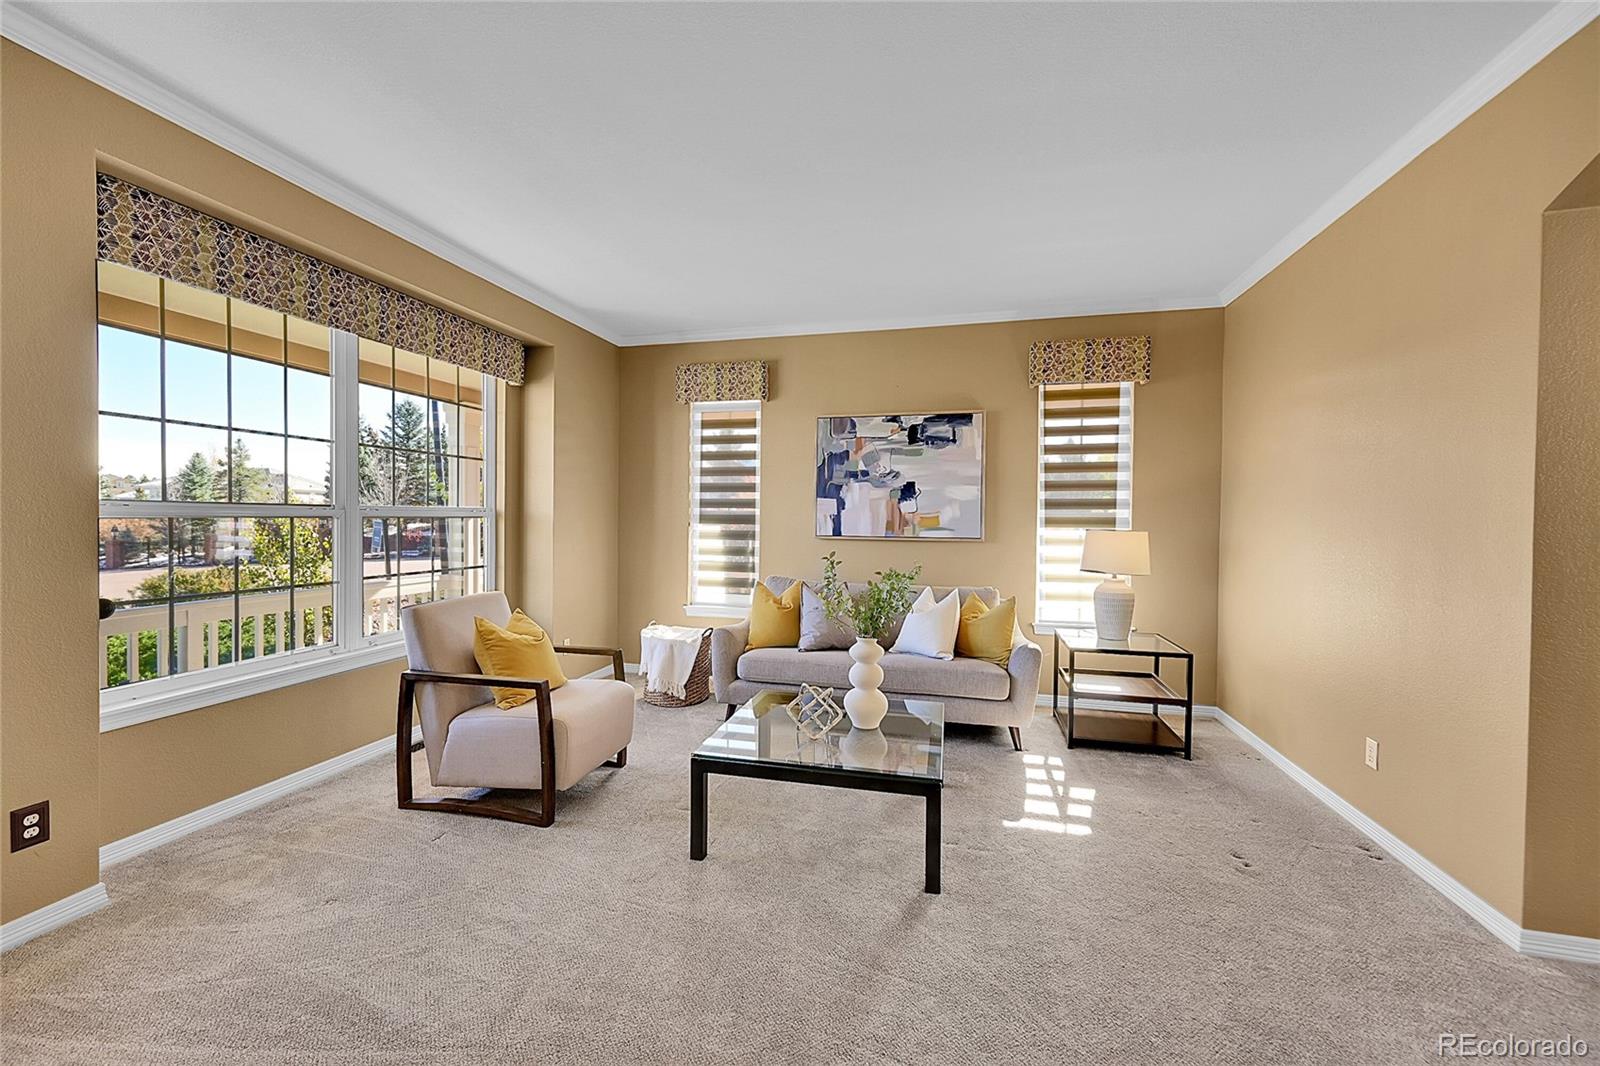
197,391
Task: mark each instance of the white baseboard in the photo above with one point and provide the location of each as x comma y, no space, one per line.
1526,941
1560,946
19,931
181,826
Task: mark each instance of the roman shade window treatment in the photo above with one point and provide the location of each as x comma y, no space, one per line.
1089,360
151,233
720,382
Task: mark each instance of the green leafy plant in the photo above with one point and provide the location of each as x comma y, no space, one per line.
836,600
871,612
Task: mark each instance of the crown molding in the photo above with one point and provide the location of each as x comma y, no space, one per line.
38,35
1538,41
1069,309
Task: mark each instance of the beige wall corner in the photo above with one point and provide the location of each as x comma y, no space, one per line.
953,368
586,514
533,531
1561,882
1379,395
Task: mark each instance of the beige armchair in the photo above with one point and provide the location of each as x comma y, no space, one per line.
548,744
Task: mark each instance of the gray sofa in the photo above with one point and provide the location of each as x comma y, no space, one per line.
972,691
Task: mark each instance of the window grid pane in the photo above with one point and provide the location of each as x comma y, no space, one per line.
1085,482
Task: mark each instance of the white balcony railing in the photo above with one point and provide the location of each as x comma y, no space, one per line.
201,626
200,623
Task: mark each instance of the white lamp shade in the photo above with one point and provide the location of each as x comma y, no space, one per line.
1116,551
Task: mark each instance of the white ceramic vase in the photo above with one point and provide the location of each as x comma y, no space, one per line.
864,703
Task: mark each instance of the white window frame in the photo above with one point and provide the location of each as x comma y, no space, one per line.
693,607
159,697
1042,624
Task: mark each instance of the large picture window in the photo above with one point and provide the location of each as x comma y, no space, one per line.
1085,482
270,488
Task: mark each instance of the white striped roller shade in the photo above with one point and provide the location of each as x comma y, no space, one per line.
724,502
1085,482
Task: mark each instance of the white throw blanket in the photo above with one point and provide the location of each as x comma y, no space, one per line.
666,656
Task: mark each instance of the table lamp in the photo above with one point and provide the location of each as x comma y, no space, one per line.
1117,553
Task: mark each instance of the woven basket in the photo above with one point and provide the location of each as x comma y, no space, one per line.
697,689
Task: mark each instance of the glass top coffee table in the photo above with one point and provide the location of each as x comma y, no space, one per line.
904,755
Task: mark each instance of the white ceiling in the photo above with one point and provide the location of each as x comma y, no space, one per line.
678,171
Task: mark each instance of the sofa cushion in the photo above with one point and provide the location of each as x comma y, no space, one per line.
818,632
987,633
911,675
930,627
496,747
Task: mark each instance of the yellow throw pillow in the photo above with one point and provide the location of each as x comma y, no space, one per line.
775,620
521,650
523,625
986,631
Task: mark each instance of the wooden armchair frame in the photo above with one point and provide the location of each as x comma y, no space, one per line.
489,806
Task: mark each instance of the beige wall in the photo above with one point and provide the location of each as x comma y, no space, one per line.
1379,396
1561,884
57,128
982,367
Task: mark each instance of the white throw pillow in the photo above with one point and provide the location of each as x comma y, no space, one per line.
930,627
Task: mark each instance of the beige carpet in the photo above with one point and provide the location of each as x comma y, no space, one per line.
1163,912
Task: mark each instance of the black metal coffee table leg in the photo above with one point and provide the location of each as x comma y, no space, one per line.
697,811
933,850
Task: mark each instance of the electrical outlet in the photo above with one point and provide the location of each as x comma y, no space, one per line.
1372,754
566,641
30,825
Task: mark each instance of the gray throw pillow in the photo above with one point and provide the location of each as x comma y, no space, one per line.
818,632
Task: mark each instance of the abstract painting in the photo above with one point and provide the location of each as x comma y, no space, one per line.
901,476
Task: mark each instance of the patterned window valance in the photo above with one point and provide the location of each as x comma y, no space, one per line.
705,382
1089,359
148,232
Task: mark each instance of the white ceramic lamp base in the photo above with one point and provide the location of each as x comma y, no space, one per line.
1113,609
